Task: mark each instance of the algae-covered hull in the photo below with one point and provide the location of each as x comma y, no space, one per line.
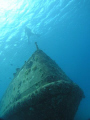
40,90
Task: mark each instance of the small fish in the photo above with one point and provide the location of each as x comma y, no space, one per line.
14,74
17,69
11,64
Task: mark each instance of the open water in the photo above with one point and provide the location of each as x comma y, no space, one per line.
63,29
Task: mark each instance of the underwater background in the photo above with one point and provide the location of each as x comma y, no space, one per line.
63,27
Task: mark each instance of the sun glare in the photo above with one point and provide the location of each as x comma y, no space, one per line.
4,5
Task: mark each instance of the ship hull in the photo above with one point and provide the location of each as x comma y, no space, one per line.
40,90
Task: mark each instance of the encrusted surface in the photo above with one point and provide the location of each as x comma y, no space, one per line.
40,89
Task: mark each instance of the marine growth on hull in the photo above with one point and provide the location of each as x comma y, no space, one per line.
40,90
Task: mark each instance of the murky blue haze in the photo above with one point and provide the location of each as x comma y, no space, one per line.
64,29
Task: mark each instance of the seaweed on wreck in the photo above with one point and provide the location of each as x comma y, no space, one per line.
17,71
29,65
34,68
27,71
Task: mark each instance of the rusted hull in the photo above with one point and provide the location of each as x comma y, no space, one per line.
40,90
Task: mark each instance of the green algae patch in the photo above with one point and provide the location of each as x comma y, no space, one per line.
40,90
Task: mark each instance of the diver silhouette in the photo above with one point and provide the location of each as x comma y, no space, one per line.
29,33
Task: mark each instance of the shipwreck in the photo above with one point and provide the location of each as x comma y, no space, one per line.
40,90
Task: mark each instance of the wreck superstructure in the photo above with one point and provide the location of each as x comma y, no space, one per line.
40,90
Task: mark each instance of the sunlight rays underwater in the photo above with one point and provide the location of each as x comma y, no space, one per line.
39,15
42,16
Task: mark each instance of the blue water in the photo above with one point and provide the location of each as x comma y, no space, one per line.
64,29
